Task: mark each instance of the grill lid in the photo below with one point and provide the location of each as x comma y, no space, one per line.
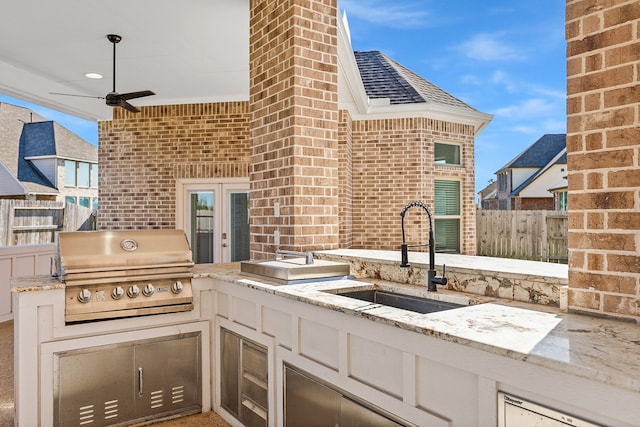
110,253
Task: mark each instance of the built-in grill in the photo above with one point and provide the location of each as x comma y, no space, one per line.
124,273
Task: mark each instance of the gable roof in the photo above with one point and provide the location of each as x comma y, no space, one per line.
540,153
554,161
12,120
24,135
384,78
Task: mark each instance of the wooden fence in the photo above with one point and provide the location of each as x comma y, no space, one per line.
25,222
531,235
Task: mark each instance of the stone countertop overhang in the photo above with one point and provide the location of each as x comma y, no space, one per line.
598,349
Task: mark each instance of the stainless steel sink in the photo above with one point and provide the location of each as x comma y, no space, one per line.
398,300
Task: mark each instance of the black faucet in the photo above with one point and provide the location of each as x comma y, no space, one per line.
432,279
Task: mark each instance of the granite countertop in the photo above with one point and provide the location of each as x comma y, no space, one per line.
35,283
599,349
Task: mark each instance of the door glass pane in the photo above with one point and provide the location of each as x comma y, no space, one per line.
239,226
202,226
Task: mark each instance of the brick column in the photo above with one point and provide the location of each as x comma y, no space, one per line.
603,152
294,125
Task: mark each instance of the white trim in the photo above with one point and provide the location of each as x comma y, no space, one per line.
75,159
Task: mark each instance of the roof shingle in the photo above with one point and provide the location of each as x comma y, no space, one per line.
384,78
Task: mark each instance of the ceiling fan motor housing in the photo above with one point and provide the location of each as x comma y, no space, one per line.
112,99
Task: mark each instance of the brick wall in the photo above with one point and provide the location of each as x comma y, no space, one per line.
533,204
294,125
142,155
345,176
393,164
603,146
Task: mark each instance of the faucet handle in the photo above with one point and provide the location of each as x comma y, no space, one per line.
441,280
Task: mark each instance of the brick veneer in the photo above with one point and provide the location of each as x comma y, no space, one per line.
393,164
294,125
603,146
142,155
338,182
345,175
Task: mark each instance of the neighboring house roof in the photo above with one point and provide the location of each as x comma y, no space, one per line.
25,135
384,78
539,172
540,153
489,192
12,119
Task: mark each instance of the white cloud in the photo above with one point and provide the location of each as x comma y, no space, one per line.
396,14
529,108
489,47
555,125
470,79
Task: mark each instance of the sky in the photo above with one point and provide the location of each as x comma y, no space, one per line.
502,57
505,58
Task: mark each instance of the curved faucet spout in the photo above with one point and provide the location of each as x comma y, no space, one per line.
431,279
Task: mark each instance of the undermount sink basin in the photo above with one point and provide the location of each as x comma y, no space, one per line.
399,300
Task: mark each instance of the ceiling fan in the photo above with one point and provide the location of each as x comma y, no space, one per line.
113,98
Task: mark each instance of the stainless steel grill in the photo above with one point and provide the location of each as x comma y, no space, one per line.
123,273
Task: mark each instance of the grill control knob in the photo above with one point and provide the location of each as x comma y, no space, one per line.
177,287
117,292
84,296
148,290
133,291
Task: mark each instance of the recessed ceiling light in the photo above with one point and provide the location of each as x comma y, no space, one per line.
93,75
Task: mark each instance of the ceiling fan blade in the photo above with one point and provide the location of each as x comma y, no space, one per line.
79,96
133,95
124,104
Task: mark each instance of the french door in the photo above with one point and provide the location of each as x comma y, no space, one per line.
215,217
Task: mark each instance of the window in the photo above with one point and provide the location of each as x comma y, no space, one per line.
562,200
84,202
71,200
84,177
447,216
447,154
69,173
94,176
94,203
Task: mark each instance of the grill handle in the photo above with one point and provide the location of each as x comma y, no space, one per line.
281,254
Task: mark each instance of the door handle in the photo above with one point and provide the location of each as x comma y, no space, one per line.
140,386
224,245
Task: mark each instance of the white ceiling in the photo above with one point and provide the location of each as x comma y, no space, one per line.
188,51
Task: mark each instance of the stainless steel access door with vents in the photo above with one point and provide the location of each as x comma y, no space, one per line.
118,384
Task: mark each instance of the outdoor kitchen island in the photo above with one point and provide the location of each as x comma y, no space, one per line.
458,367
448,368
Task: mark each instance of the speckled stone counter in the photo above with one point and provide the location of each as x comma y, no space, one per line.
603,350
35,283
